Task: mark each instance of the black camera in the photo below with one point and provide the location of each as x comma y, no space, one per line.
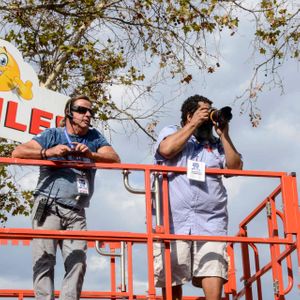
220,116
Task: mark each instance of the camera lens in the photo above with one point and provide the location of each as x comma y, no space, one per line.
221,117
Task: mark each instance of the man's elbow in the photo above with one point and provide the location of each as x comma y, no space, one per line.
166,152
15,154
239,165
166,155
115,158
235,165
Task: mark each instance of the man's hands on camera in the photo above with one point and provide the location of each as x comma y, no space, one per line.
221,131
201,115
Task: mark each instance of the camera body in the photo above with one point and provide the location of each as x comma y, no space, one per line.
220,116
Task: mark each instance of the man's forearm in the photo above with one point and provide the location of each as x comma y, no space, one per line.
174,143
233,158
23,151
105,157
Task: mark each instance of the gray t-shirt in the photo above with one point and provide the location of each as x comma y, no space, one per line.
61,183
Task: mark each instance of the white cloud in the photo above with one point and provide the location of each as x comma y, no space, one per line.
98,262
15,281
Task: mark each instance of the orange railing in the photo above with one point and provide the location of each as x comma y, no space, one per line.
281,262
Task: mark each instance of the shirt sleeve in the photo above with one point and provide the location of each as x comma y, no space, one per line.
165,132
46,138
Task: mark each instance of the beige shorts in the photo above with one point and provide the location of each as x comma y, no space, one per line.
191,260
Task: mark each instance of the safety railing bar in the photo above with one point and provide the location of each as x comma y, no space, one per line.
141,167
234,239
12,233
95,295
84,294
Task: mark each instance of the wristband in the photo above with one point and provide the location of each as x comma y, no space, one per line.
43,153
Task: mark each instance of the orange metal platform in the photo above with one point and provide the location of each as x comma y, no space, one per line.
281,206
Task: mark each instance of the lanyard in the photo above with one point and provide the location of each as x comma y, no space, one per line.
72,146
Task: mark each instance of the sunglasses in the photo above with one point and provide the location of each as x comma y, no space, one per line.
82,110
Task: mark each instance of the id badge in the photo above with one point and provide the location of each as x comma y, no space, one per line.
196,170
82,185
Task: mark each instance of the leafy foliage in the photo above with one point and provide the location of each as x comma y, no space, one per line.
13,200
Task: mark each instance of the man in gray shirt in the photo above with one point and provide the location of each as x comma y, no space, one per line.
198,206
68,191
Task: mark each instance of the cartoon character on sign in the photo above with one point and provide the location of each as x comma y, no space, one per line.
10,76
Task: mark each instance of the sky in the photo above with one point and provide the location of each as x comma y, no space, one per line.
272,146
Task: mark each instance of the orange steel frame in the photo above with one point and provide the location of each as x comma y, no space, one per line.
290,239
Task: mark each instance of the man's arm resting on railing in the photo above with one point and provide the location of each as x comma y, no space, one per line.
31,149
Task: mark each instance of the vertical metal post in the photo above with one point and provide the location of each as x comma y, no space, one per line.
157,198
122,263
230,286
275,252
297,212
129,268
113,275
151,287
246,265
168,271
